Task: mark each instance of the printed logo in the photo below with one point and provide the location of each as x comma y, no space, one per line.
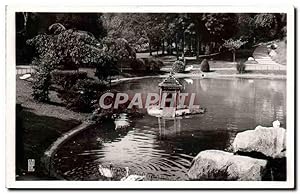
31,164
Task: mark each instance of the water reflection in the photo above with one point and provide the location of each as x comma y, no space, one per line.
164,148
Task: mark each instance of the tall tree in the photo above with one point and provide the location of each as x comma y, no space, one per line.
90,22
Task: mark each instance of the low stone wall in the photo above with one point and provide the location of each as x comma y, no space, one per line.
47,158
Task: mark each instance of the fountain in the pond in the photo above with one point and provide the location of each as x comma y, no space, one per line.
170,103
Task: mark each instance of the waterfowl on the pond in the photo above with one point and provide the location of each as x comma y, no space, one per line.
106,172
132,177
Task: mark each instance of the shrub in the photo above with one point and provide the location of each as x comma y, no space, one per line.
154,65
106,68
204,66
178,66
241,67
138,65
146,64
83,95
42,81
159,64
41,87
67,78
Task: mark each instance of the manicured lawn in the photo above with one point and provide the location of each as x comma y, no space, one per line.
52,109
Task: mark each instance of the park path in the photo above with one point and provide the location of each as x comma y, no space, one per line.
264,60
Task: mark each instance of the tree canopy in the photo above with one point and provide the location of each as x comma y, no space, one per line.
191,33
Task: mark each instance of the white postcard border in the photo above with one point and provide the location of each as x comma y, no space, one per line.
11,100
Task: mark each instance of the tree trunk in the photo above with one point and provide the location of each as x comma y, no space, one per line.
169,48
150,50
233,56
176,47
183,39
198,47
191,43
25,15
163,47
207,49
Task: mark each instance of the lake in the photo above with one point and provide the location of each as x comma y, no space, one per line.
162,149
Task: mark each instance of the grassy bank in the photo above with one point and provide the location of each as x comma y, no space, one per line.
38,133
38,126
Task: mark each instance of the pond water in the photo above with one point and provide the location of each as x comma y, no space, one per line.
163,149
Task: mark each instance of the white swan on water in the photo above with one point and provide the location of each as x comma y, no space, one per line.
106,172
132,177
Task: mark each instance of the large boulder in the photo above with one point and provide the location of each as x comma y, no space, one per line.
221,165
268,141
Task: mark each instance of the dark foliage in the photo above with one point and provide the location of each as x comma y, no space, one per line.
138,65
42,81
90,22
146,65
83,95
67,79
